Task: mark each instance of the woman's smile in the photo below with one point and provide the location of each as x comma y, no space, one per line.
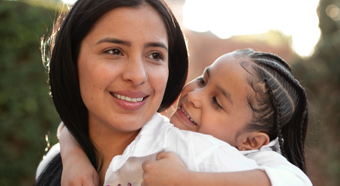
129,100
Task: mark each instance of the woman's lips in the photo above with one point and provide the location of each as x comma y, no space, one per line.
131,94
126,98
129,100
185,116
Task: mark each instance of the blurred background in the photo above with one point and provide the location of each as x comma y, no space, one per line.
306,33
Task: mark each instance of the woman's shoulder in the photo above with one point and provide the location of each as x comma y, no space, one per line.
202,152
195,138
202,144
47,159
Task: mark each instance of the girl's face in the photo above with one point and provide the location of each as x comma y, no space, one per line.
123,68
216,103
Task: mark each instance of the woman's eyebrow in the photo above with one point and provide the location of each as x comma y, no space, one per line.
127,43
113,40
156,44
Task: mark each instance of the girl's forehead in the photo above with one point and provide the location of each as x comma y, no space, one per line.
227,62
229,72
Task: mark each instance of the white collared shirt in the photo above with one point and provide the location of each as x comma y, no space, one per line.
199,152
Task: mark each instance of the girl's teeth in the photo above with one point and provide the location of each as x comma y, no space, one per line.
125,98
187,115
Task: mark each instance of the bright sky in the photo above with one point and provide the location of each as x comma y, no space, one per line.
69,1
226,18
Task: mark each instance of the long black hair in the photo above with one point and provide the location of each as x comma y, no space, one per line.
69,31
279,105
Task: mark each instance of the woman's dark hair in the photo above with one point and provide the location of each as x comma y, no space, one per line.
279,104
69,31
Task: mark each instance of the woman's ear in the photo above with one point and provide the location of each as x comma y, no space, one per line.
252,140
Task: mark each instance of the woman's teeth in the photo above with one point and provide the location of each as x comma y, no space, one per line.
125,98
187,115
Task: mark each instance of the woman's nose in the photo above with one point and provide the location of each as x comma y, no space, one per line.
135,71
195,97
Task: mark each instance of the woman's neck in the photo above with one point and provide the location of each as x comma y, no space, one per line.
109,143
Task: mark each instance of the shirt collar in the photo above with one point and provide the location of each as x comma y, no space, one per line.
152,137
150,140
271,146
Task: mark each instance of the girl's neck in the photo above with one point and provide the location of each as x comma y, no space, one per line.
109,143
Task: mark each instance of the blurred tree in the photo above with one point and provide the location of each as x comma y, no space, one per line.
321,76
26,111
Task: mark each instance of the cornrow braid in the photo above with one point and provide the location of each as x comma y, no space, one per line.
276,116
279,105
272,56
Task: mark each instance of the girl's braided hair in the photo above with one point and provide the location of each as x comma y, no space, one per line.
279,105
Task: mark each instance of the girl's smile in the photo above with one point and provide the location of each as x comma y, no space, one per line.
186,117
216,103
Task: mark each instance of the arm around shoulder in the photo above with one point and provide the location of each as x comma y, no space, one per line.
55,150
279,170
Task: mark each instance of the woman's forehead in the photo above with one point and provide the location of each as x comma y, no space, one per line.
131,23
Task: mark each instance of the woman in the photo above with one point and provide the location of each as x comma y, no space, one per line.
91,48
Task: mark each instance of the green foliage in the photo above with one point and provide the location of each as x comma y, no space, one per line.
321,76
26,111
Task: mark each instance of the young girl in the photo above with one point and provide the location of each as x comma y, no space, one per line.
245,98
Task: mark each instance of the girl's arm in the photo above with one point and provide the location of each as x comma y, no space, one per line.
77,169
170,170
279,170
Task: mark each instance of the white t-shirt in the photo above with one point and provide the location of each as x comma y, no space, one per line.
199,152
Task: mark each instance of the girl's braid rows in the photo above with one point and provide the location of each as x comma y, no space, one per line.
288,104
277,116
270,56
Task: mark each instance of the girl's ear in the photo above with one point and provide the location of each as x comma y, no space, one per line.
252,140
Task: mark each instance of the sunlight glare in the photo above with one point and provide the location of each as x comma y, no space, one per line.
70,2
333,12
226,18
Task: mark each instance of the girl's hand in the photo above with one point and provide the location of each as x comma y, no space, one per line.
167,170
79,174
77,168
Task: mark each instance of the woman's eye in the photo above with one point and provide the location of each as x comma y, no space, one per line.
201,81
157,56
216,103
114,52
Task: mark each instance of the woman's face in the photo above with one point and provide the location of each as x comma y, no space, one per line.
216,103
123,68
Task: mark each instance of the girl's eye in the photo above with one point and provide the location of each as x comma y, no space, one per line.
114,52
201,81
216,103
157,56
